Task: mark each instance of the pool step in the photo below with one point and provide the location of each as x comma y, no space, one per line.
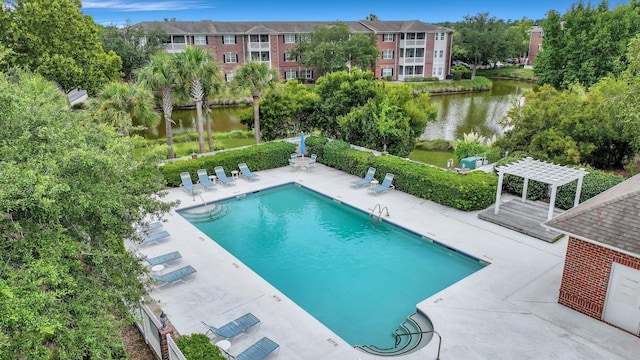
410,337
206,213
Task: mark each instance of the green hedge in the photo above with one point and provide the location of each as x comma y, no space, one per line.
593,184
258,157
475,190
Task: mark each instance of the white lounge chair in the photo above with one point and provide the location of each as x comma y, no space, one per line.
386,185
367,178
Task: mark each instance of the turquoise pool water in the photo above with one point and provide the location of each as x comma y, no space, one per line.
360,280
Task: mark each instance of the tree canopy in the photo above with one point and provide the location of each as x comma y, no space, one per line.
481,39
598,126
53,38
333,48
133,44
256,78
586,44
69,193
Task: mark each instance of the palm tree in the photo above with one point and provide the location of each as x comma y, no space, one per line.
161,76
209,91
197,72
255,77
124,104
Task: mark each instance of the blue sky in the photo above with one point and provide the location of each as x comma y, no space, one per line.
107,12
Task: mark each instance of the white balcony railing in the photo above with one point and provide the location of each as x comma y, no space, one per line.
413,43
175,48
411,61
258,46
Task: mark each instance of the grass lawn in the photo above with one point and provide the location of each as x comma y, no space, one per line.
184,148
512,72
436,158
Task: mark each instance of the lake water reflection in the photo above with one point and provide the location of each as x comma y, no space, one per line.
480,112
457,114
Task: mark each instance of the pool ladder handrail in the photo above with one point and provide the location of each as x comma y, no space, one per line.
373,215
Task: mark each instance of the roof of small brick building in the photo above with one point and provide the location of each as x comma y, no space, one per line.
611,218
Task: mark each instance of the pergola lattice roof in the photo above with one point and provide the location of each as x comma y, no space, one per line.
552,174
541,171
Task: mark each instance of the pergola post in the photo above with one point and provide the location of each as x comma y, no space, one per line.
525,188
552,201
576,201
498,192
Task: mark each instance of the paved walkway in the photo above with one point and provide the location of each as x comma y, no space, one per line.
508,310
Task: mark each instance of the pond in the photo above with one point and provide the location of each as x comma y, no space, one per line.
479,112
457,114
225,118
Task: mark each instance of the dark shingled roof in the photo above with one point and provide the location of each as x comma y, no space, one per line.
611,218
208,27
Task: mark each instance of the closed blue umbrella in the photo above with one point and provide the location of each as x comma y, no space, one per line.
302,142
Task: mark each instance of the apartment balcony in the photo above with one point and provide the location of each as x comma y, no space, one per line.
255,46
411,61
413,43
175,48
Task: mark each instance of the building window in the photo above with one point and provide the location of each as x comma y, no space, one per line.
419,70
387,37
289,38
420,52
439,71
259,56
228,76
387,54
387,72
306,74
441,53
199,39
228,39
259,38
410,53
229,58
289,57
290,74
441,36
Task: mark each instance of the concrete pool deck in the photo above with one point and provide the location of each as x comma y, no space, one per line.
508,310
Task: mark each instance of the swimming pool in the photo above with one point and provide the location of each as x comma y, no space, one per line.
359,279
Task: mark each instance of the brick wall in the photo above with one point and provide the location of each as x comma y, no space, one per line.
586,276
535,41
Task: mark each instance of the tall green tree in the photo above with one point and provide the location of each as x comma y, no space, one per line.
392,120
333,48
125,105
69,194
286,110
133,44
338,94
197,71
255,78
54,39
481,38
161,76
586,44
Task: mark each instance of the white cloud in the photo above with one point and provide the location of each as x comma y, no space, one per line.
117,5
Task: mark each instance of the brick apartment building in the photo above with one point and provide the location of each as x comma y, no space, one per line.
601,276
535,43
407,48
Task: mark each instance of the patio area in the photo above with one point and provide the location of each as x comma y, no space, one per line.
508,310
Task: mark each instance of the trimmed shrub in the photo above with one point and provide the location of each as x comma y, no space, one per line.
198,347
331,149
473,191
315,145
257,157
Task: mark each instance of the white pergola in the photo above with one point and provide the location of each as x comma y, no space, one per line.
552,174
